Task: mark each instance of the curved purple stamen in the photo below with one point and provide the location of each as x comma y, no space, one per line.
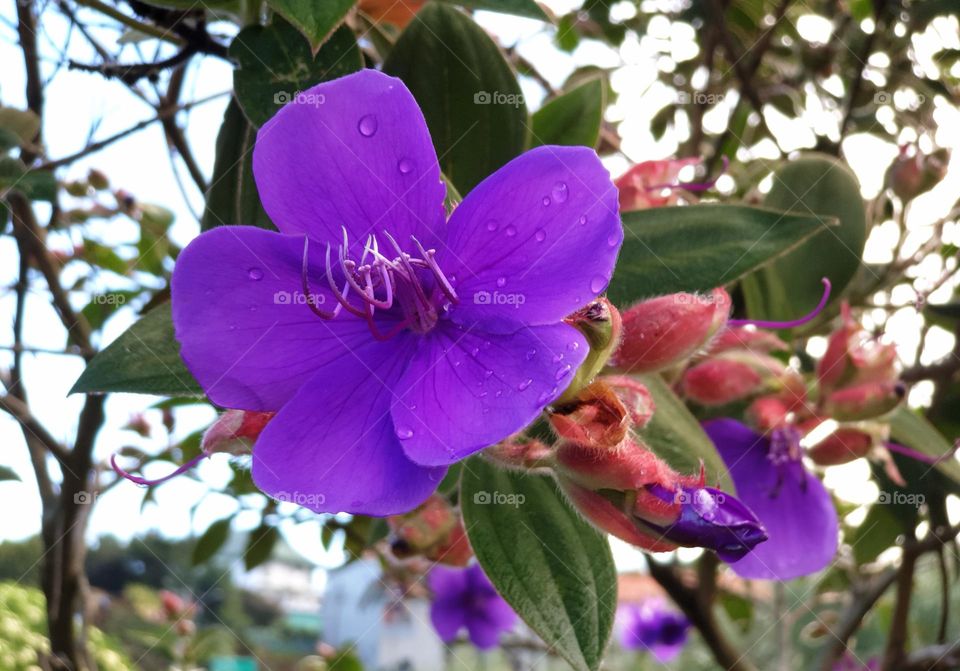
810,316
920,456
149,483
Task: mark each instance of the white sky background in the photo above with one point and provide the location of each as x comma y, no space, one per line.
140,165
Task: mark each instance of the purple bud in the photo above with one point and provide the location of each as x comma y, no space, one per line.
712,519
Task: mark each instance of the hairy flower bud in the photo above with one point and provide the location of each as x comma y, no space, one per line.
854,357
597,418
746,337
234,432
864,401
738,374
663,331
910,176
433,529
768,413
635,397
651,183
601,325
841,447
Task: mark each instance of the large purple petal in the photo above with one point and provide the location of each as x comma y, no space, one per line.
794,507
466,390
239,312
484,632
333,447
448,618
354,152
536,240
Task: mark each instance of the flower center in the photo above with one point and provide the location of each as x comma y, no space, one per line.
380,281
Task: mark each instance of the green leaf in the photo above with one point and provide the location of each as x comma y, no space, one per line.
145,359
232,197
738,608
22,124
525,8
211,541
7,473
913,430
675,435
276,66
554,569
877,532
259,545
671,249
573,118
819,186
469,96
315,20
34,184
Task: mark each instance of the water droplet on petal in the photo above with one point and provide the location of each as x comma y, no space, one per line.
499,393
531,353
558,358
488,373
457,363
501,282
583,220
486,344
482,394
540,235
545,201
563,371
560,192
597,284
404,433
510,231
545,397
613,240
255,274
405,166
492,225
524,385
574,346
368,125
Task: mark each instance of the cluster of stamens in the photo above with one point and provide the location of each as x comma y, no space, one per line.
377,281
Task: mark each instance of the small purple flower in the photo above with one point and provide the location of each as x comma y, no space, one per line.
652,626
712,519
792,504
465,599
390,341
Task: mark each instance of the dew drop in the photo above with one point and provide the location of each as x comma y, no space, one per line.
524,385
613,240
501,282
475,351
545,201
597,284
563,371
574,346
367,126
492,225
486,411
583,220
540,235
255,274
482,394
560,192
510,231
558,358
488,373
405,166
531,353
456,364
486,344
544,397
499,393
404,433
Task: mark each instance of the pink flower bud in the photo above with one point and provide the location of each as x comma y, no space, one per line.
737,375
854,357
746,337
520,452
173,605
841,447
651,183
625,468
635,397
663,331
909,176
597,418
863,401
235,431
434,530
768,413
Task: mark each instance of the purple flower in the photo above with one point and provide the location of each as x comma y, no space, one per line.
390,341
792,504
653,627
712,519
465,599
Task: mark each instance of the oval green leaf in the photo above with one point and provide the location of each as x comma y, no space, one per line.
573,118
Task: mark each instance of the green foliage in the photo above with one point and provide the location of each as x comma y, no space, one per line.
671,249
818,186
469,95
315,20
211,540
572,118
553,568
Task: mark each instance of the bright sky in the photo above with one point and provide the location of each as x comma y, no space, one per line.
140,165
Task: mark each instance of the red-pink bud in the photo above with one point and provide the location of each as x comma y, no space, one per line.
597,418
746,337
635,397
173,605
663,331
768,413
854,357
520,452
718,381
864,401
235,431
651,183
840,447
434,529
139,424
625,468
